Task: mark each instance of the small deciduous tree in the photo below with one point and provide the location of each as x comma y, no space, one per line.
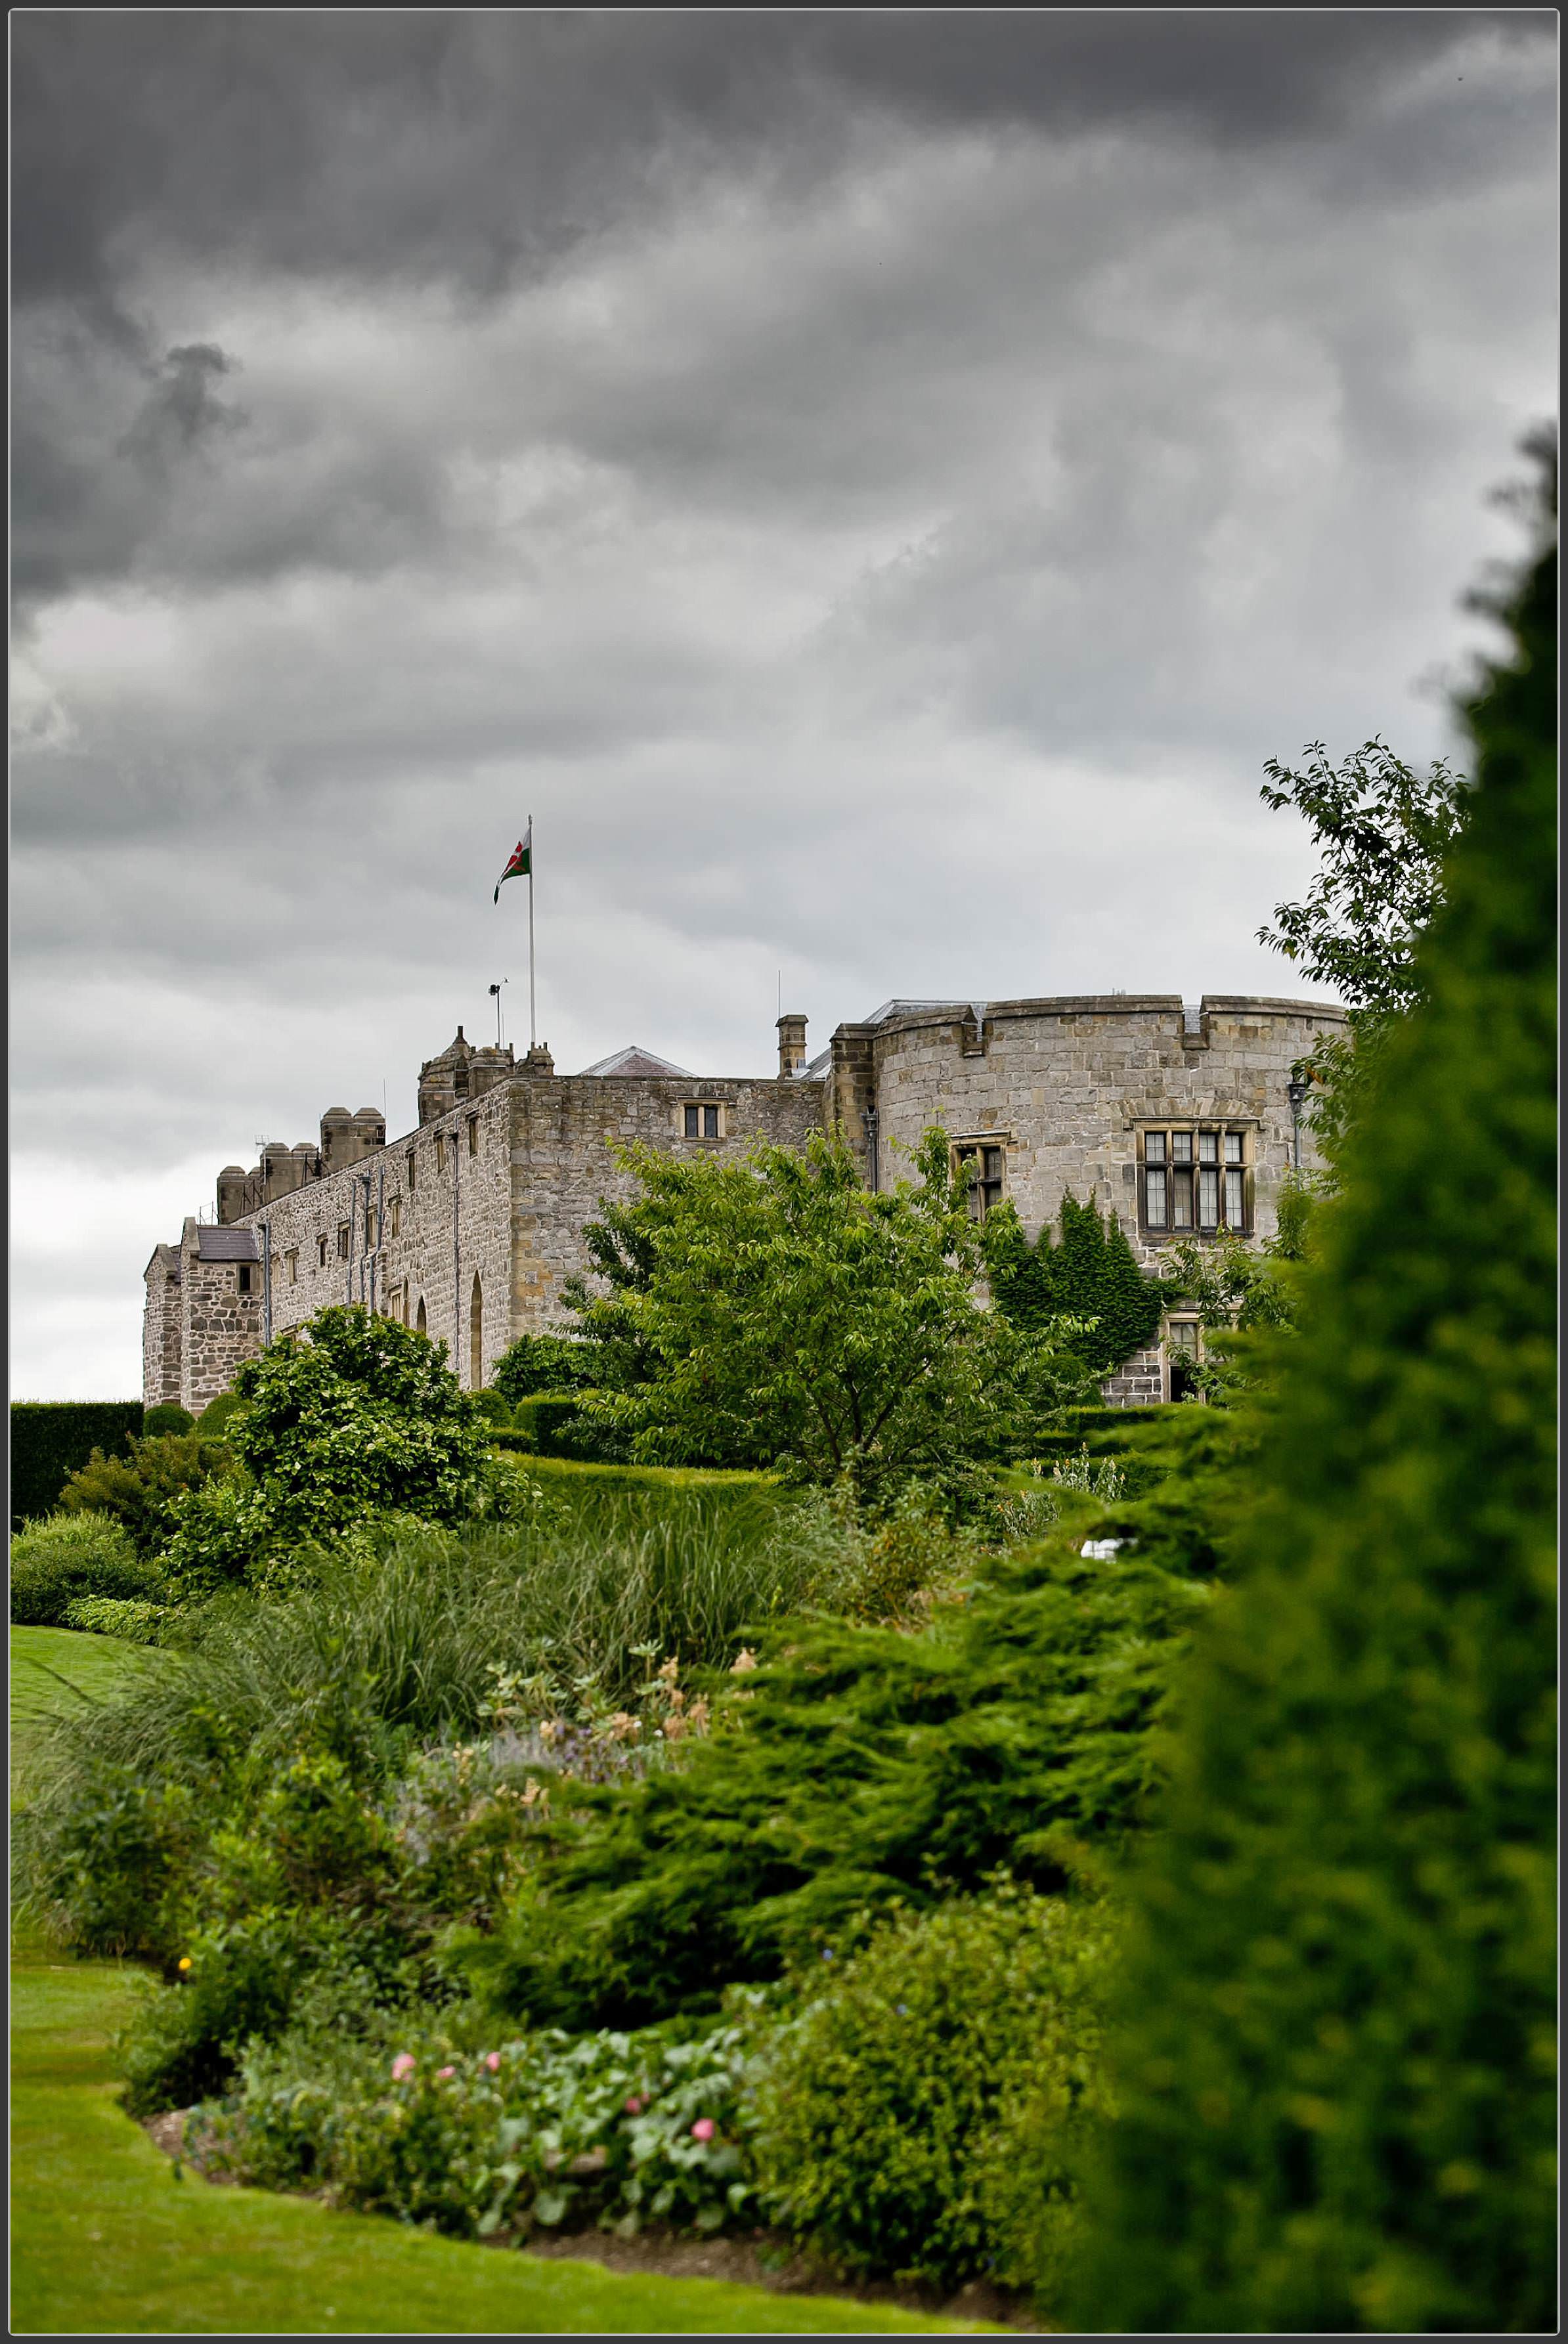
1383,829
785,1316
346,1418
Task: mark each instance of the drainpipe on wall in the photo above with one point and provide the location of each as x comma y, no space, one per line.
266,1283
457,1265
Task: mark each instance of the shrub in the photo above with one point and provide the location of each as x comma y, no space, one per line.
343,1420
494,1406
51,1438
402,2119
557,1424
544,1363
892,2112
869,1765
70,1555
108,1615
1338,2109
166,1417
142,1491
216,1418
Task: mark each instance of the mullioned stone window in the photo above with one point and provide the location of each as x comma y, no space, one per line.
1194,1180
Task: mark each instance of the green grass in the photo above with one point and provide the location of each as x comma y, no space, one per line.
105,2239
95,1668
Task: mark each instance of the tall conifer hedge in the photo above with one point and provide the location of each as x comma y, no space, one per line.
1335,2072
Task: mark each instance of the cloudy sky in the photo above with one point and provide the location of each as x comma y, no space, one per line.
874,486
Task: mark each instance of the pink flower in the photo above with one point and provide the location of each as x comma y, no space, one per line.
442,2073
403,2065
634,2106
705,2129
493,2060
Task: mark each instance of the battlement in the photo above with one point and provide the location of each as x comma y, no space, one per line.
460,1073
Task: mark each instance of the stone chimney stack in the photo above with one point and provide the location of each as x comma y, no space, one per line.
792,1045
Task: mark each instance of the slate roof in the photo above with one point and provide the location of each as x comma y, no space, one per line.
226,1244
634,1060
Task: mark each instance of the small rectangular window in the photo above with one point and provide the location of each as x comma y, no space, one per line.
245,1277
1181,1200
710,1122
440,1154
291,1262
345,1231
1181,1147
1209,1147
988,1181
1156,1197
1233,1147
1235,1212
396,1216
1154,1146
1208,1199
411,1171
474,1135
320,1253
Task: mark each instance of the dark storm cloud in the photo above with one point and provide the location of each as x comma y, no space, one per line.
475,153
475,145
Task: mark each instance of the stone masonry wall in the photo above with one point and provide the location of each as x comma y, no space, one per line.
161,1330
563,1129
533,1174
219,1326
1068,1082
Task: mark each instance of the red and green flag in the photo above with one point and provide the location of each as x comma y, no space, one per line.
521,863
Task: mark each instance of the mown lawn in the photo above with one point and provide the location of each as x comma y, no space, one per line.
105,2239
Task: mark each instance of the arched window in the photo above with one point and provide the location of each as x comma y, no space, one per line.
476,1337
420,1316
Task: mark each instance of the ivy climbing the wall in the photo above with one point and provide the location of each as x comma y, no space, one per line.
1089,1273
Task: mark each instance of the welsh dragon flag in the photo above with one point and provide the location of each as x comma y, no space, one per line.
521,863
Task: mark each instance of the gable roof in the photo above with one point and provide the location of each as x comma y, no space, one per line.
634,1060
226,1245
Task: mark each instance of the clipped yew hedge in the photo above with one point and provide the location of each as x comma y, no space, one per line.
52,1438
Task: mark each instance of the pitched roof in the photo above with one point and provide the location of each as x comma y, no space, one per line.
633,1060
226,1245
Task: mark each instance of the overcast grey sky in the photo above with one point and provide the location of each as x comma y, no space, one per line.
876,487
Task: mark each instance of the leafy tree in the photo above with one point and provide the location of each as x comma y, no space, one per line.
344,1419
1091,1275
1335,2072
792,1319
620,1250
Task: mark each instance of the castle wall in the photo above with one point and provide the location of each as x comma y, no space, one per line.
1068,1082
563,1129
161,1330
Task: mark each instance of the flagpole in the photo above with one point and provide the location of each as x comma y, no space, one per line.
532,1022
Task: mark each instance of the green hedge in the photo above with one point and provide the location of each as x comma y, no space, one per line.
571,1474
554,1425
52,1438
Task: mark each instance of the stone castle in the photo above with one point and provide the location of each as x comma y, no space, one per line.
1175,1118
